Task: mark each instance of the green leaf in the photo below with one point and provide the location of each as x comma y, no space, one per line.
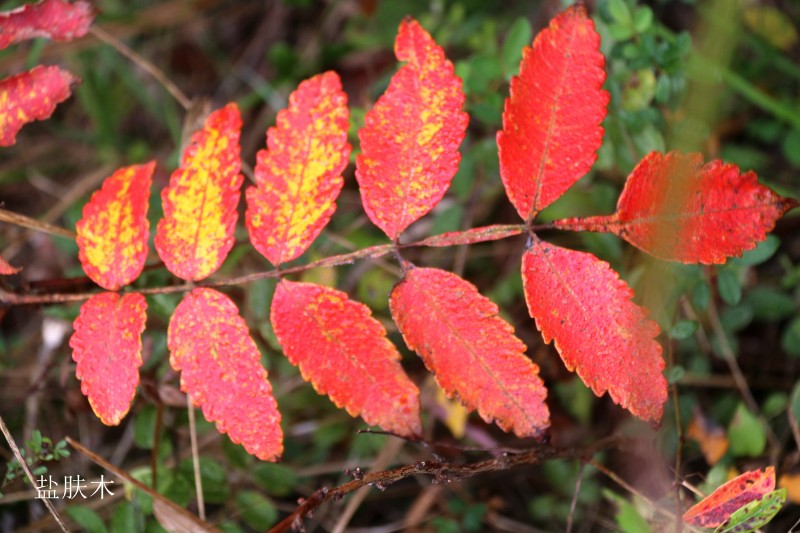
627,516
794,401
730,290
35,443
257,511
643,19
276,479
519,36
620,12
213,476
760,253
790,340
745,433
683,329
755,514
87,519
126,518
144,427
770,305
701,295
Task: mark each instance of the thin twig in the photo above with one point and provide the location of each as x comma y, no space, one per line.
31,223
574,503
184,101
442,473
29,474
198,481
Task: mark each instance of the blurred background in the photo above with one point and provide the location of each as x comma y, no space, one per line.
716,76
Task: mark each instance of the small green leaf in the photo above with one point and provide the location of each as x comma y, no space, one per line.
701,295
683,329
790,340
627,516
276,479
760,253
745,433
257,511
620,12
770,305
519,36
126,518
730,290
35,443
674,374
87,519
794,401
144,427
643,19
755,514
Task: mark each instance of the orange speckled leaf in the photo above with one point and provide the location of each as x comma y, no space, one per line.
713,510
7,269
196,233
712,438
221,369
300,175
471,350
343,351
551,122
113,232
107,346
51,19
579,301
410,139
30,96
678,209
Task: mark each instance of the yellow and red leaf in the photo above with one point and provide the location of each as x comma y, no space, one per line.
471,350
678,209
29,96
716,508
221,370
579,301
196,233
410,139
50,19
551,122
113,231
299,177
107,347
343,351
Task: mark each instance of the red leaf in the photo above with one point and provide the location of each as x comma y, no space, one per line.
678,209
113,232
221,369
471,350
410,139
343,351
579,301
6,269
196,233
30,96
714,509
107,346
52,19
551,123
299,178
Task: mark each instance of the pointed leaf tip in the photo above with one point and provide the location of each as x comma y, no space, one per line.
29,96
552,118
678,209
579,301
107,347
51,19
196,233
472,352
299,177
343,351
221,370
410,139
113,231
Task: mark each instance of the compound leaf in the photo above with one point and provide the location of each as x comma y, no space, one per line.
51,19
579,301
29,96
299,177
221,370
678,209
343,351
107,347
471,350
410,138
113,231
551,122
717,507
196,233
